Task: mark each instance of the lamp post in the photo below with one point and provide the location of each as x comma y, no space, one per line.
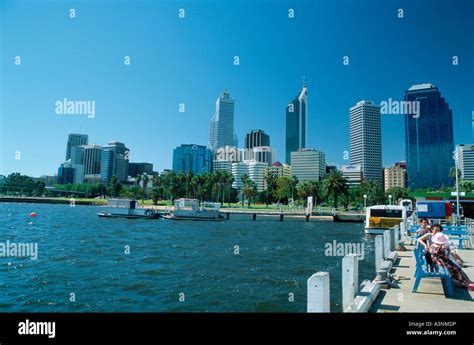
365,201
456,159
390,198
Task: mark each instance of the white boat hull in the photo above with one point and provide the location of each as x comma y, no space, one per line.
375,231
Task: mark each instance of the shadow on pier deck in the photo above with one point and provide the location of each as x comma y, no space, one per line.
430,296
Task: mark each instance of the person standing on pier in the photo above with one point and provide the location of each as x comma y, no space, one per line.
440,254
424,227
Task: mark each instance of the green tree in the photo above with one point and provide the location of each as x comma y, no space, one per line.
335,185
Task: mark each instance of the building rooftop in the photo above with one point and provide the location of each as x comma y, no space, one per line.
421,87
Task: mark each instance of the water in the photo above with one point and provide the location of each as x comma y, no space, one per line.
82,254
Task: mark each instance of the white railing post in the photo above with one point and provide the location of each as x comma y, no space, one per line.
318,293
386,244
350,279
378,251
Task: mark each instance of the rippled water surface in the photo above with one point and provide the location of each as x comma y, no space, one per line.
82,254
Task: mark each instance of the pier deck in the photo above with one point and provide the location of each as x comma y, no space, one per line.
430,296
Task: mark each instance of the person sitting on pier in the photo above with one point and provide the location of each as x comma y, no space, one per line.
424,227
440,255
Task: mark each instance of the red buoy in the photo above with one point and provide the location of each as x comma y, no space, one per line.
33,214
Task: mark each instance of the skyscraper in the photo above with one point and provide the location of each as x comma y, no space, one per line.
74,140
296,119
92,159
366,140
466,161
308,165
428,138
196,158
114,162
221,125
256,138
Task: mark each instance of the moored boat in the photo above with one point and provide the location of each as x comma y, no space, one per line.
127,208
383,217
189,209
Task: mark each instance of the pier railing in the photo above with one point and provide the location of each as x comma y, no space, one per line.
356,298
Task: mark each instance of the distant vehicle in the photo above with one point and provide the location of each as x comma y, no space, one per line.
382,217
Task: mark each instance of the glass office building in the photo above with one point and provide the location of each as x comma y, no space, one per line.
114,162
196,158
296,123
429,139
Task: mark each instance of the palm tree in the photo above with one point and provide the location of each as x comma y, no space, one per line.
138,179
189,178
249,189
113,182
145,179
270,181
228,182
244,179
335,185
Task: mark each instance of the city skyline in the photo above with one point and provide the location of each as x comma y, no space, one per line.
150,94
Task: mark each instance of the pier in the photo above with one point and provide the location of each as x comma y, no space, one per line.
391,289
430,295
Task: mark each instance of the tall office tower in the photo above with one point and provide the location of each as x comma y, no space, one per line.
366,140
256,138
74,140
429,140
114,162
196,158
296,122
77,162
308,165
221,125
466,161
92,159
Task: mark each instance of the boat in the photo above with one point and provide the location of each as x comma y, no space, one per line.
383,217
408,204
189,209
127,208
349,217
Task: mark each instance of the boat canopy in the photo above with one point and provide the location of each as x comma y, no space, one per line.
122,203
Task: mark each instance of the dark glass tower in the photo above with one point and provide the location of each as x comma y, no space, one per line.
429,140
256,138
296,123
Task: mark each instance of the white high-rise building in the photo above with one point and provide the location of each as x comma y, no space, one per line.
366,140
353,174
466,161
221,125
308,165
264,154
253,169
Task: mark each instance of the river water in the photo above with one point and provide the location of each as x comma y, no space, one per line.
91,264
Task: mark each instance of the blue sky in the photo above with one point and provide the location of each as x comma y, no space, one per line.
190,61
